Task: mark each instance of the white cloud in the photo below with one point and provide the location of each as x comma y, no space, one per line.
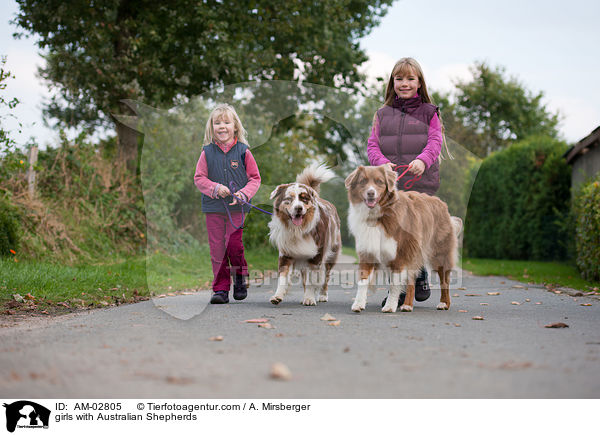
443,78
579,117
379,65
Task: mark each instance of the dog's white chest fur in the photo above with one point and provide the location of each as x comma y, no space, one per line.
370,236
291,242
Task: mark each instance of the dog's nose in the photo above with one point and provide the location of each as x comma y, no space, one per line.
298,208
370,194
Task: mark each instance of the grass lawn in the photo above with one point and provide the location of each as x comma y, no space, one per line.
53,287
538,272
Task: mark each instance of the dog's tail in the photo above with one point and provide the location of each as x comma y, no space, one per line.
457,226
314,175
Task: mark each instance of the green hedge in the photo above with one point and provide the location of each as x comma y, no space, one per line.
586,208
519,203
9,228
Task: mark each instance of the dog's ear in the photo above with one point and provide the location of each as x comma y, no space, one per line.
390,178
278,190
352,177
314,195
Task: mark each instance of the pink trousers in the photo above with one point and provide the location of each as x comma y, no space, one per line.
226,249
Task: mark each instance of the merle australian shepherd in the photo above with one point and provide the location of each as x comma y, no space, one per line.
305,229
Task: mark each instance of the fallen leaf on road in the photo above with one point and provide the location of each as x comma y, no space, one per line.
170,294
527,300
557,325
216,338
513,365
455,295
518,286
17,297
29,296
557,292
472,294
462,311
346,349
280,371
279,334
478,318
483,303
515,303
586,305
328,317
461,288
64,304
493,293
336,323
179,380
161,296
502,282
256,320
266,326
457,324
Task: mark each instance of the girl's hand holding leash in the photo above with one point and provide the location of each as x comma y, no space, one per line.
223,191
416,167
237,195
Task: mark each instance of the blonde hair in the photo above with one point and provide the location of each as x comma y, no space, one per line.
221,111
408,65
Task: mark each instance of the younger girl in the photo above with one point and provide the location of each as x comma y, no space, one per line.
226,172
407,131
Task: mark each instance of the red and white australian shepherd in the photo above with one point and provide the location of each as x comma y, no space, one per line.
399,232
306,230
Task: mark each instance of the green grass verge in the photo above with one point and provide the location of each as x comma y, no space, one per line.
538,272
128,280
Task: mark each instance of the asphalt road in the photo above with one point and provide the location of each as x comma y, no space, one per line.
162,348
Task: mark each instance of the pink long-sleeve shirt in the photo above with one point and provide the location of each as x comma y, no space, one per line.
210,188
429,154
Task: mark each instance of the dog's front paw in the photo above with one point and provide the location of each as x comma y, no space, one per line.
323,298
357,307
389,309
309,301
406,308
442,306
275,300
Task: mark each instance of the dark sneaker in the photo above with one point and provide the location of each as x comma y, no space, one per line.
240,287
422,290
221,297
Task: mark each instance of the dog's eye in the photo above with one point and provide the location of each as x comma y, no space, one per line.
304,198
287,200
379,181
362,181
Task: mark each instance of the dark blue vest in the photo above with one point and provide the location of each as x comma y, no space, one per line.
230,171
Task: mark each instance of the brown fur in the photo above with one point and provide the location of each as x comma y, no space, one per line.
420,225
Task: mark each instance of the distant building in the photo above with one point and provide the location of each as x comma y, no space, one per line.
584,157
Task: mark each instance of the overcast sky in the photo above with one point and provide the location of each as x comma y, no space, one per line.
550,46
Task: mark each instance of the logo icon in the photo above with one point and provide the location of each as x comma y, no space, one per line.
234,164
26,414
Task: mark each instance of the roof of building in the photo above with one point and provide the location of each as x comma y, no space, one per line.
582,146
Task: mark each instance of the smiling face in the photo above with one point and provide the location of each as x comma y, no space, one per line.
406,83
294,203
369,185
224,128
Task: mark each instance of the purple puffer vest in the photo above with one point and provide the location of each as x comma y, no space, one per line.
403,132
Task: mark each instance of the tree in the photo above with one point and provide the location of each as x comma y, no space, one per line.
163,53
499,110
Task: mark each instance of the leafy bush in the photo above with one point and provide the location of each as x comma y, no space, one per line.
586,208
9,228
519,202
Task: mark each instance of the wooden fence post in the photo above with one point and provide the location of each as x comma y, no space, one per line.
33,155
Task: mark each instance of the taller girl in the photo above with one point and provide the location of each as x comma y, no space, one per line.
407,131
